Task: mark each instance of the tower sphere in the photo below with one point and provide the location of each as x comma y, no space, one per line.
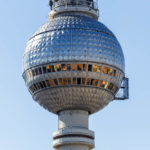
73,62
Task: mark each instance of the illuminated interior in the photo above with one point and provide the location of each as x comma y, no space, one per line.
73,67
73,81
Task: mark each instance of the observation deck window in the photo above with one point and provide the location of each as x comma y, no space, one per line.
83,81
38,85
90,68
110,87
60,81
36,71
88,81
55,82
74,67
44,69
40,70
33,73
48,68
78,80
100,83
106,85
95,68
114,73
111,71
79,67
98,68
68,67
44,84
41,85
105,70
65,81
63,67
103,83
51,83
94,82
74,80
84,67
69,81
48,83
58,67
53,68
35,86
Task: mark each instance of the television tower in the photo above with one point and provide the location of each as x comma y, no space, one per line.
74,66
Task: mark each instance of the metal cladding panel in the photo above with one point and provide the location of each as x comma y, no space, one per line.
83,98
73,38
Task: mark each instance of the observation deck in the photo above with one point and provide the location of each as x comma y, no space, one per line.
86,7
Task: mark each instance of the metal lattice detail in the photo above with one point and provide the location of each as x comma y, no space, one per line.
123,92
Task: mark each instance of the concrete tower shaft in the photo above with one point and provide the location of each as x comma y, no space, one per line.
73,132
86,7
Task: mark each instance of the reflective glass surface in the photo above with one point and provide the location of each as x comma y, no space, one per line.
73,38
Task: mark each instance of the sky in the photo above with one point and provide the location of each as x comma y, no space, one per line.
125,125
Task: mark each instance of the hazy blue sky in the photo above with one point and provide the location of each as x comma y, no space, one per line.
123,125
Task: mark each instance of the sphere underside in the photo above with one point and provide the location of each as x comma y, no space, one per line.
77,97
73,62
